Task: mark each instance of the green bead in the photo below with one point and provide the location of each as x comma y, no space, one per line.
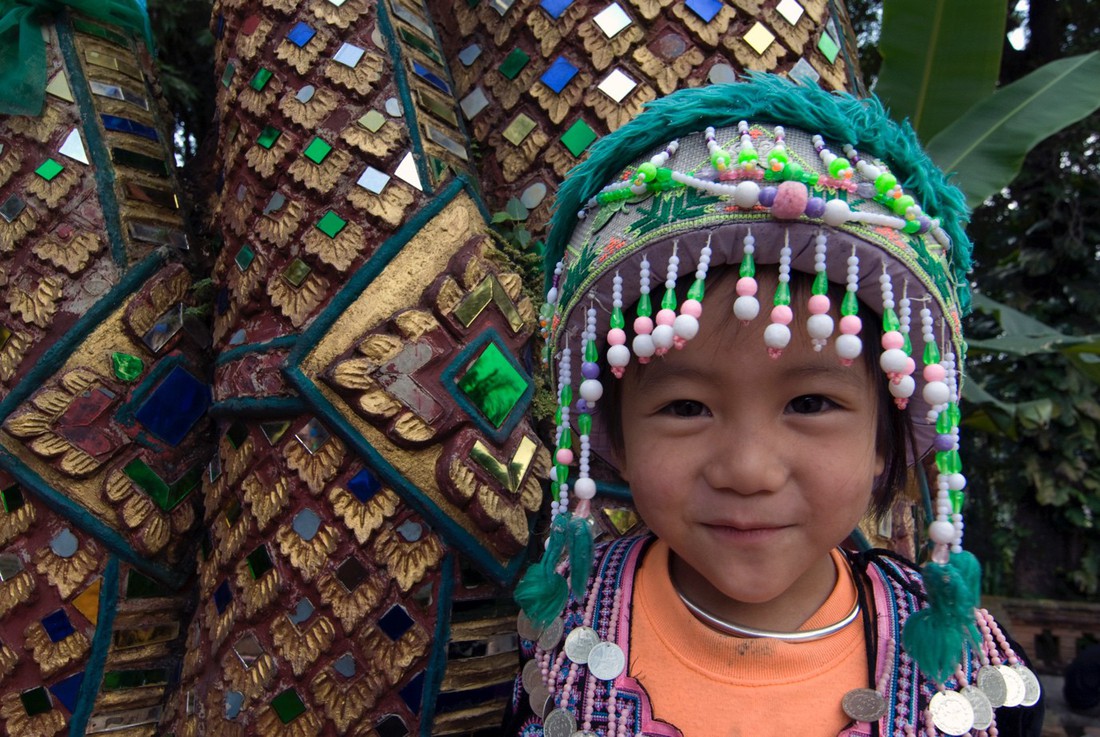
793,171
720,160
547,310
566,395
850,304
668,302
910,227
821,283
890,321
591,354
943,423
617,320
604,198
645,307
838,166
584,423
664,175
778,154
931,354
885,182
647,171
562,473
948,461
747,155
748,266
565,440
557,416
907,345
127,367
901,204
783,293
954,413
696,290
957,498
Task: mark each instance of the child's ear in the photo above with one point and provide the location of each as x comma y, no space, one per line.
880,463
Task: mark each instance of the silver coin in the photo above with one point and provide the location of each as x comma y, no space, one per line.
579,643
864,705
559,723
951,713
1014,686
606,661
526,628
1032,689
532,676
992,684
538,699
551,636
983,710
582,733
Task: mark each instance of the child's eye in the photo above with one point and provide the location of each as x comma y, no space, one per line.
685,408
809,404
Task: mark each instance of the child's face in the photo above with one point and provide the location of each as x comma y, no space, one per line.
750,469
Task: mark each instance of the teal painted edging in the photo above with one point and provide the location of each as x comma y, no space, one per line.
609,490
101,643
312,335
437,664
87,521
233,354
104,169
60,351
400,77
261,407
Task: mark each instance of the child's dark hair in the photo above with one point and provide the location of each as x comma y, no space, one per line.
894,431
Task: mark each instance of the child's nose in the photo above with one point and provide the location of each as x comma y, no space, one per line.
747,462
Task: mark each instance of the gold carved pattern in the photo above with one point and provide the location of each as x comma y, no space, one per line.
264,161
340,251
12,354
302,58
650,8
73,256
342,16
308,557
278,228
407,562
10,161
16,591
8,659
13,232
14,524
515,160
55,190
39,128
549,31
380,143
302,646
53,656
362,77
309,114
228,538
167,288
236,211
363,518
315,469
139,511
392,659
450,295
298,303
604,50
284,6
748,58
617,114
668,75
307,724
266,498
249,45
235,461
344,703
37,306
559,105
508,91
258,103
322,177
350,606
257,593
708,33
67,574
389,206
18,722
415,324
252,681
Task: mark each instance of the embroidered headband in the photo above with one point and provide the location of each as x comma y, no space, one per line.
760,172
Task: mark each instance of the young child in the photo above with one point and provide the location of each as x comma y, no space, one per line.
723,264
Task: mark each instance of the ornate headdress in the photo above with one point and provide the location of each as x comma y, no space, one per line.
760,172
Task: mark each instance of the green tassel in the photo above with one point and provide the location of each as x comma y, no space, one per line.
934,636
542,592
580,554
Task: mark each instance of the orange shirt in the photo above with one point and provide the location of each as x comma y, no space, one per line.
713,685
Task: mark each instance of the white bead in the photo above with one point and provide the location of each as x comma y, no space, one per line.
643,346
591,390
848,346
663,336
747,194
893,361
837,213
686,326
904,387
584,488
552,295
746,308
618,356
942,532
956,482
777,335
820,326
936,392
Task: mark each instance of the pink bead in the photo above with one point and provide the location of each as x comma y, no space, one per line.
666,317
934,372
892,339
564,456
643,325
819,304
746,286
691,307
616,336
782,314
790,200
851,325
910,366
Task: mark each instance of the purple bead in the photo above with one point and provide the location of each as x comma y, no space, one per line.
815,207
866,190
767,196
925,224
708,174
590,370
944,442
582,405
